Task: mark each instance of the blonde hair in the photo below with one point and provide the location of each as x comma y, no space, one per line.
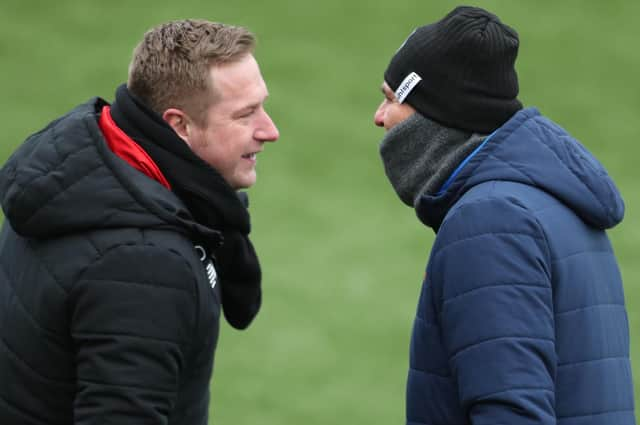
171,65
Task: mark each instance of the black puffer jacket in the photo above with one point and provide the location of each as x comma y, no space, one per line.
107,315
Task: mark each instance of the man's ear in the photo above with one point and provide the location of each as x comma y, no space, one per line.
180,123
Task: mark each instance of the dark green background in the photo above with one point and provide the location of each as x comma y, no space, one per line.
343,259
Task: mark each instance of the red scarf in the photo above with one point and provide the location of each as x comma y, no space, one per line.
128,150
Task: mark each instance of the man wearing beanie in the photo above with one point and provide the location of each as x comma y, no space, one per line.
521,318
125,239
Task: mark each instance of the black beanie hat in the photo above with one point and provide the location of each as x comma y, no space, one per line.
459,71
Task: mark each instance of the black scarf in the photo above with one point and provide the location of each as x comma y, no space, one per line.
208,197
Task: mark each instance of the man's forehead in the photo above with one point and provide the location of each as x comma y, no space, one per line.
238,80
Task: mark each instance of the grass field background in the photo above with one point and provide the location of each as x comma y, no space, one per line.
343,259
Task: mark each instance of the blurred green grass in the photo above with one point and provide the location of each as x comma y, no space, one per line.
343,259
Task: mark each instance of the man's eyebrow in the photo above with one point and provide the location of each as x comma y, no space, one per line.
249,106
256,103
245,108
387,92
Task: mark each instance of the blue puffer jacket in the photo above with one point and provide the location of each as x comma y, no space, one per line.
521,318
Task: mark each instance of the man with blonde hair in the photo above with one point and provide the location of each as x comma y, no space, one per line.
125,237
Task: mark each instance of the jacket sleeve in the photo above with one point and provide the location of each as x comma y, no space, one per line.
133,314
491,266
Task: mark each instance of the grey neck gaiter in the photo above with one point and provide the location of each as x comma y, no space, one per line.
419,155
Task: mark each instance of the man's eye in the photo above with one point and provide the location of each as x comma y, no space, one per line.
246,114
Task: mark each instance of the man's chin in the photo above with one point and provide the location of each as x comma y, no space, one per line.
243,183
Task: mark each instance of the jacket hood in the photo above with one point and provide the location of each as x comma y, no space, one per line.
64,179
531,149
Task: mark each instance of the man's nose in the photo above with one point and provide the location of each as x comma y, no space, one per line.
378,117
267,132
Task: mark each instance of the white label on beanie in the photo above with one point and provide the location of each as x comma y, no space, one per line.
406,86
